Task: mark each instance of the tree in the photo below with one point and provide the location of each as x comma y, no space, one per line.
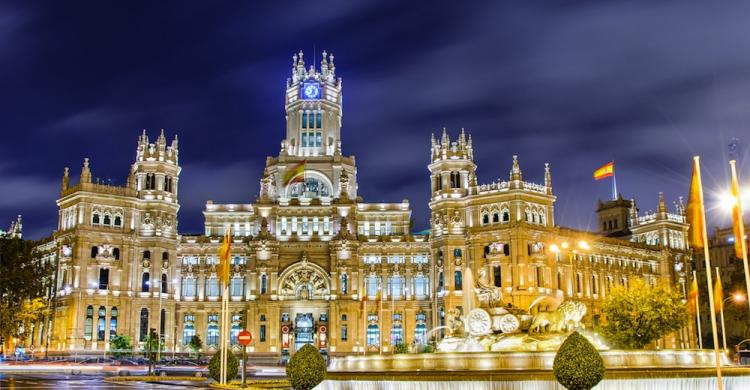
214,369
195,345
641,314
22,279
121,345
306,368
578,364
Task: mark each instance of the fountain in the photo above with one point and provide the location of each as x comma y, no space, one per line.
492,345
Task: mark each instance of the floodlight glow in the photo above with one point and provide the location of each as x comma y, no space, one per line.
727,201
738,297
584,245
554,248
564,245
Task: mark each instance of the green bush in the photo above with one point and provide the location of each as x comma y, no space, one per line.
400,348
121,346
306,368
214,369
578,365
428,348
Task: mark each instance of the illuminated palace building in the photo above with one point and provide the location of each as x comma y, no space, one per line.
312,262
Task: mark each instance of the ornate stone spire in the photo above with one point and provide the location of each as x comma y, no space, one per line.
131,177
633,213
65,179
547,178
661,210
515,171
85,172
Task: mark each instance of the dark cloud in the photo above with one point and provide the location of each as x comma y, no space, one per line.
575,84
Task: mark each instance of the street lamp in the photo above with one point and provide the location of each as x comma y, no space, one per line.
737,298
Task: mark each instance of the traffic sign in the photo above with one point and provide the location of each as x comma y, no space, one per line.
244,337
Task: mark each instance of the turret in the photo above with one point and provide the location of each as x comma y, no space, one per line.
313,109
156,169
661,208
452,168
615,216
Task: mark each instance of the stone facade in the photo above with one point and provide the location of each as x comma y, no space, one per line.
312,262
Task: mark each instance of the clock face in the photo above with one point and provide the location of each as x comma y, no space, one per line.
311,91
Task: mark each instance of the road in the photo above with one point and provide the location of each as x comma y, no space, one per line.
60,381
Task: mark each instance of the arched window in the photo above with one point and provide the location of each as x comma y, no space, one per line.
373,334
457,253
237,286
506,216
487,250
527,216
162,323
116,253
457,281
304,119
188,329
485,219
165,256
506,249
144,324
146,255
263,284
236,328
495,217
101,323
88,327
212,287
145,282
107,219
113,323
604,225
397,330
95,219
150,181
344,284
103,278
189,286
118,221
168,183
163,285
94,251
212,334
497,273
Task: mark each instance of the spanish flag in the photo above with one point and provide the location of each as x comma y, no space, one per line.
225,257
295,174
718,295
737,214
605,171
695,209
692,302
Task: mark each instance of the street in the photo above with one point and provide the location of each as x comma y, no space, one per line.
60,381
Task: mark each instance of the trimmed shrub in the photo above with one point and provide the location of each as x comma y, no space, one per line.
306,368
428,348
214,369
578,365
400,348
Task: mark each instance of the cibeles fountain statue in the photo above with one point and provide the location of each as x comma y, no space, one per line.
488,324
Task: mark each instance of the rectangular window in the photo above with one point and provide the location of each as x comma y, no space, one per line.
318,120
457,281
188,286
367,228
344,333
315,224
377,228
318,139
540,276
497,276
262,334
283,225
326,224
305,226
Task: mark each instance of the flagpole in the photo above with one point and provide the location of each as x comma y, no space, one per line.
741,228
698,314
721,310
614,182
709,278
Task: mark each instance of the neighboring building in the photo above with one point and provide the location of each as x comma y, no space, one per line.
14,231
312,262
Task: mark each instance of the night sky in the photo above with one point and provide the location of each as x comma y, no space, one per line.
573,83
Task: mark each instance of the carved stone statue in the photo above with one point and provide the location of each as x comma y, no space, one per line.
454,323
488,295
567,314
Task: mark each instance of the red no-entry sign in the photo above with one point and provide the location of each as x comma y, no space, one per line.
244,337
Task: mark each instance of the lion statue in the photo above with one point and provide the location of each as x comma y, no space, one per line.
567,317
573,312
546,322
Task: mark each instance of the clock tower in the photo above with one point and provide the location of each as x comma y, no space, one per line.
313,109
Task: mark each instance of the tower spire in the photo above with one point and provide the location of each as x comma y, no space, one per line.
85,172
